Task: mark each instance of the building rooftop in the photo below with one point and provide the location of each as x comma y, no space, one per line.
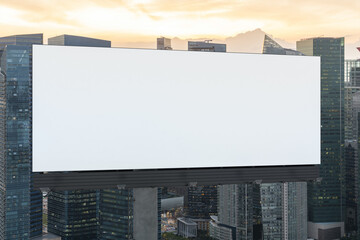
187,221
21,40
320,37
72,40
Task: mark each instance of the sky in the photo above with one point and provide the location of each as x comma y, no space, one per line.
141,21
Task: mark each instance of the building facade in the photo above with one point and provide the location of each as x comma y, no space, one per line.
236,213
70,40
22,215
351,156
283,205
2,154
105,213
102,214
116,214
163,43
206,46
284,211
202,201
327,196
263,210
186,228
73,214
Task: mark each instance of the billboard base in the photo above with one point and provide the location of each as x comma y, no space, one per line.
173,177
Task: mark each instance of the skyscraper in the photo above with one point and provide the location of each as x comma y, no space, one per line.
164,43
72,214
2,154
22,215
283,205
352,109
116,214
283,210
238,217
326,197
105,213
352,86
202,200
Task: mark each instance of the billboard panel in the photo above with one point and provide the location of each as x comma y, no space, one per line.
116,109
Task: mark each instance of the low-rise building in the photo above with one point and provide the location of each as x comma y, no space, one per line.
186,227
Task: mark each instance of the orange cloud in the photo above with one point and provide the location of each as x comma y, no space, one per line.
143,20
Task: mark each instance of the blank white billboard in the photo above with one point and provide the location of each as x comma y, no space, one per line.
116,109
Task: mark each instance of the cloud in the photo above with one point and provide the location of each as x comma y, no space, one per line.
288,20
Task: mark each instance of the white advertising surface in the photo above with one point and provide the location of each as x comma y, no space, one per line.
117,109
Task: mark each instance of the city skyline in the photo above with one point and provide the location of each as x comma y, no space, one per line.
137,23
327,57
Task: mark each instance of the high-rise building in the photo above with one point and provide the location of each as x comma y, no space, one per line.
105,213
21,217
283,205
164,43
262,211
283,210
238,218
116,214
326,197
2,154
352,86
351,169
73,214
202,200
352,109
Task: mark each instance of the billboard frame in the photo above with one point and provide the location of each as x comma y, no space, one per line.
174,177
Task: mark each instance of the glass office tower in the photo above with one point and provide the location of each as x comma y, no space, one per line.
238,217
283,205
352,86
327,196
202,200
283,210
22,217
262,210
352,109
97,214
2,154
72,214
116,214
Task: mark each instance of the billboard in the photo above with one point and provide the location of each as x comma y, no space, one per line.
122,109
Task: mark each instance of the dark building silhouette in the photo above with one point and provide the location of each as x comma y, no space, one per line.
326,198
21,205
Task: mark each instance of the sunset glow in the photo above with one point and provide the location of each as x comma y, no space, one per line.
124,21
